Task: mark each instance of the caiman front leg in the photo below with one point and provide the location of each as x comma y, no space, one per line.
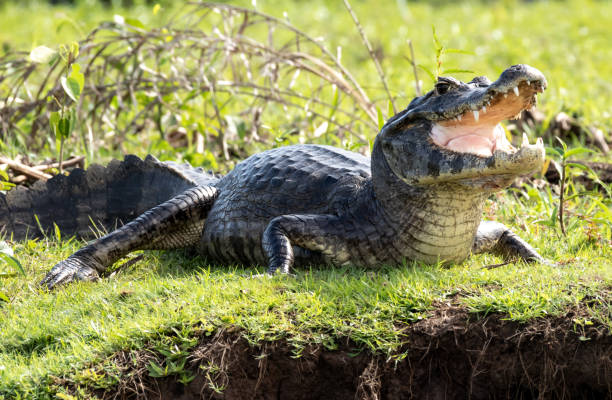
320,234
498,239
175,223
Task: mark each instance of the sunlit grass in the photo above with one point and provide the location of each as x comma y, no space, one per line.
46,334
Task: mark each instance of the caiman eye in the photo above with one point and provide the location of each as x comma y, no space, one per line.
446,83
442,87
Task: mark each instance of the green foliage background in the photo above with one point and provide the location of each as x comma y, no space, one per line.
568,41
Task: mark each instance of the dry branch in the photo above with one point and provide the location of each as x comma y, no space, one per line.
67,163
24,169
368,46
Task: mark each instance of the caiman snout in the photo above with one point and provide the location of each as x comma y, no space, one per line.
519,73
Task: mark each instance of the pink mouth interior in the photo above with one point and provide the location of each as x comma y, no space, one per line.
484,135
482,140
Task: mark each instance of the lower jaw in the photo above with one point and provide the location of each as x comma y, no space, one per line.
489,184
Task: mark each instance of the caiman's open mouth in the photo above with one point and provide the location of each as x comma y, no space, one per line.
476,128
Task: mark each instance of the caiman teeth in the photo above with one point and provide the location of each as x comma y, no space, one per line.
516,91
475,116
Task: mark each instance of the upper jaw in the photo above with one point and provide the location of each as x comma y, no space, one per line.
516,86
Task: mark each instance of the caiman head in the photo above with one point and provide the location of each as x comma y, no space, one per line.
453,133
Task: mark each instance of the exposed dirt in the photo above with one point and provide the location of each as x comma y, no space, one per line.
449,357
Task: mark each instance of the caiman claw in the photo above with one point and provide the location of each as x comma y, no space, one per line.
71,269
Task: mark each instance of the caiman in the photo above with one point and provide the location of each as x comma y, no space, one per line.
418,197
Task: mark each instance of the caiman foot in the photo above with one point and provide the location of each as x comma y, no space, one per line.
70,270
498,239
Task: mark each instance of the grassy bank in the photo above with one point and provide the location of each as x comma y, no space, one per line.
70,337
171,298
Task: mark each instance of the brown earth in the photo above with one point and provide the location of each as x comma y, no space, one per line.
448,356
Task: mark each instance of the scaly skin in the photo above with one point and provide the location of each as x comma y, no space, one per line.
415,199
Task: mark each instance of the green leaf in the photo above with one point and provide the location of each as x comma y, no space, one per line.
135,23
4,297
54,119
551,151
553,216
58,233
428,71
71,87
155,370
459,51
562,143
390,110
13,262
381,119
457,71
74,50
336,97
63,127
78,76
582,167
66,124
65,396
592,174
436,40
42,55
578,150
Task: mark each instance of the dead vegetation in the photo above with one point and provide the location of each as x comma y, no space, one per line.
215,75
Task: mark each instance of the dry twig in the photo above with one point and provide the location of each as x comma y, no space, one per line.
368,46
24,169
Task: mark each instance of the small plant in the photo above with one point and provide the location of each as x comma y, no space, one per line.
566,170
440,51
62,121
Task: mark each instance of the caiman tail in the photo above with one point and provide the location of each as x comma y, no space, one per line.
99,198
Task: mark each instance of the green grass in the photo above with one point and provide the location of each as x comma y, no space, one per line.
170,294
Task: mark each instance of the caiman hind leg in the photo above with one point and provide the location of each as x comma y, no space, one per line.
175,223
498,239
322,235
